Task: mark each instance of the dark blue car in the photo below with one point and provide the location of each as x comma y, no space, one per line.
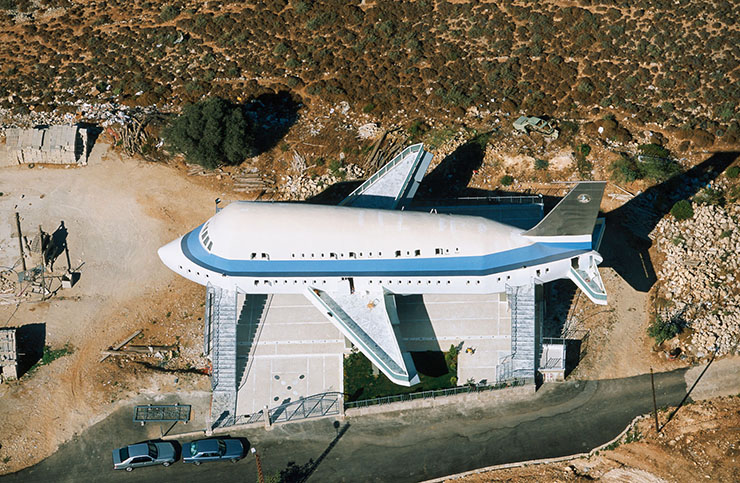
215,449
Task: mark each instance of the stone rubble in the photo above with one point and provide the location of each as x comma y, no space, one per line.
302,186
700,276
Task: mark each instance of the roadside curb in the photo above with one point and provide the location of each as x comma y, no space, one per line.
542,461
200,432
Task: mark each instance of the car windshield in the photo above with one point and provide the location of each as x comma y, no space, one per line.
152,450
193,448
124,454
221,448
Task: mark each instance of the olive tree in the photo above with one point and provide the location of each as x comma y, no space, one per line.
211,132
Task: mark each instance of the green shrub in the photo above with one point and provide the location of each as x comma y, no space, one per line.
334,167
656,164
583,149
625,170
659,169
653,150
50,355
541,164
210,133
507,180
662,330
583,165
710,196
168,13
682,210
733,172
416,129
367,108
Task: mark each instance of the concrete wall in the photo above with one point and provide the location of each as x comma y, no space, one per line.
506,395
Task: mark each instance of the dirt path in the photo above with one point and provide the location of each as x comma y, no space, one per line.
117,211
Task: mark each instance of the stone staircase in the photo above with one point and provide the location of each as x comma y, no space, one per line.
523,348
223,355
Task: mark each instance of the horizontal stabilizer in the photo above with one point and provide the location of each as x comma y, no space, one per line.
575,215
395,184
588,279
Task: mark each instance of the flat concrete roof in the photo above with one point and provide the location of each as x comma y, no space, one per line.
300,352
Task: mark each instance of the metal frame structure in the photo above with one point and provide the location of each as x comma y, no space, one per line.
166,413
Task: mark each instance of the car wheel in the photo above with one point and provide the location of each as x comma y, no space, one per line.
129,468
166,463
196,463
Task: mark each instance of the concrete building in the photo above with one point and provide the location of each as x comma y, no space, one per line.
47,145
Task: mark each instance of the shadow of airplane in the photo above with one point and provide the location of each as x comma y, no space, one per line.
626,240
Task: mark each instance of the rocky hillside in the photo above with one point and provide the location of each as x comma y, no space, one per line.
699,275
669,62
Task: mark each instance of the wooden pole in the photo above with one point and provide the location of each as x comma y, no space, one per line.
260,475
43,264
118,346
20,238
655,404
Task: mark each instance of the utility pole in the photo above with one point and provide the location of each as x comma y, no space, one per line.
655,404
20,238
260,475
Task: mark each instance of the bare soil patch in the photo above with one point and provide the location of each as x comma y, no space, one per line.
118,211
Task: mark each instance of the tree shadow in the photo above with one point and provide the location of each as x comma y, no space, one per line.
294,473
626,240
30,341
272,116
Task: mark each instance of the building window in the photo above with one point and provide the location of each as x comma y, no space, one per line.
398,253
417,253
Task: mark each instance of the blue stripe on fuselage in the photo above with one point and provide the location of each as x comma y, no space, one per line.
527,256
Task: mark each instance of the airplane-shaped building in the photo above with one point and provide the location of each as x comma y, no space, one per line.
351,260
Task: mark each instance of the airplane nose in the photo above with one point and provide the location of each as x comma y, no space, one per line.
171,254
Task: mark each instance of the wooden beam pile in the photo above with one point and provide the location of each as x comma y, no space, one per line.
247,182
389,144
133,136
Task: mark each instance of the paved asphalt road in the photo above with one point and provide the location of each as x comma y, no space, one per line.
412,445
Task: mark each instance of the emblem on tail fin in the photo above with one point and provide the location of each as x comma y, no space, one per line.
575,215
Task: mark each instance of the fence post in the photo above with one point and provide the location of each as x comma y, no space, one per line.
340,401
266,417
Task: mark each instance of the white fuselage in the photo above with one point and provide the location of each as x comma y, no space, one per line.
264,248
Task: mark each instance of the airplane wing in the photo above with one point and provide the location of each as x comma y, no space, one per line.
370,321
394,185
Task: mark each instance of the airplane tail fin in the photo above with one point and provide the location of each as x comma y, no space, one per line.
575,215
574,220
